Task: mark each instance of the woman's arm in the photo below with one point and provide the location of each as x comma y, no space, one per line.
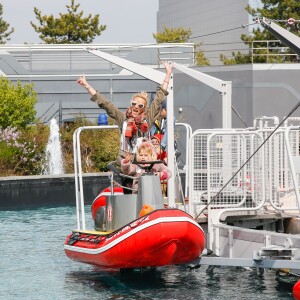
102,102
161,93
168,66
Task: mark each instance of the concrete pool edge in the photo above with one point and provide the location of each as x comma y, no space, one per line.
27,192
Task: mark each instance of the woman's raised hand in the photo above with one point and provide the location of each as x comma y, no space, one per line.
168,66
82,81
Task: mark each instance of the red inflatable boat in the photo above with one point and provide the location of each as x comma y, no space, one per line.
162,237
134,230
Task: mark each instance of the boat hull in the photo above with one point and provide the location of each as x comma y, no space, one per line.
160,238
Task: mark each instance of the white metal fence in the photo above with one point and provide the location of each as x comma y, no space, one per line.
237,170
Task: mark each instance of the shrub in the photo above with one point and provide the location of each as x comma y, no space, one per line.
22,150
17,104
98,147
19,154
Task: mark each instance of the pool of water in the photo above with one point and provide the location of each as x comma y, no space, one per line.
34,266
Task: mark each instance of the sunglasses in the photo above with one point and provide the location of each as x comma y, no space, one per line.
139,105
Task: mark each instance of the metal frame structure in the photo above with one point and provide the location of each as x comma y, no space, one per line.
280,163
224,87
259,190
250,191
286,37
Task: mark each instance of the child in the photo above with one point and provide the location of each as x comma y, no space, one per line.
145,152
156,142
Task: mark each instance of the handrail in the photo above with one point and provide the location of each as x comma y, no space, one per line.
188,129
78,172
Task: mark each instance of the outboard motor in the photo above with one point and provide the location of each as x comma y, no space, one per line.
120,210
98,208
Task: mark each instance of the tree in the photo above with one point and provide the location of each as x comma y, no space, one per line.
200,57
5,32
17,104
181,35
69,28
173,35
272,10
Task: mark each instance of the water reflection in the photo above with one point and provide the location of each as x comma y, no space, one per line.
34,266
178,282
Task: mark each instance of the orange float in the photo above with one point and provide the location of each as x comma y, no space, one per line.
146,209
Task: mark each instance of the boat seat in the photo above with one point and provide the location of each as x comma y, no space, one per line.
91,232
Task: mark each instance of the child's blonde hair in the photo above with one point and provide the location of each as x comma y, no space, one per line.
142,95
148,148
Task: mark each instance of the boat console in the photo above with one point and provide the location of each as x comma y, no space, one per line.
119,210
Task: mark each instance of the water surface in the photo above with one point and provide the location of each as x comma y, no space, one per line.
34,266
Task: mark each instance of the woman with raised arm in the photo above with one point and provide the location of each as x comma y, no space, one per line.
135,123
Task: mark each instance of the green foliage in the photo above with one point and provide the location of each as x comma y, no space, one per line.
106,152
238,58
22,151
200,57
173,35
276,10
273,10
69,28
98,147
17,104
181,35
18,152
5,32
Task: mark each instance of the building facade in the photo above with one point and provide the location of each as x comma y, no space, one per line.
215,23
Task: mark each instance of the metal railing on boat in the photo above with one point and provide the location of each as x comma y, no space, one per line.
81,223
230,185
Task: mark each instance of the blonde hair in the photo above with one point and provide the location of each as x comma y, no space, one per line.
148,148
142,95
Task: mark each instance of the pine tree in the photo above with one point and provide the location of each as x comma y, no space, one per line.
5,32
278,11
69,28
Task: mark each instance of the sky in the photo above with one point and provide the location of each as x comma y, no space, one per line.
127,21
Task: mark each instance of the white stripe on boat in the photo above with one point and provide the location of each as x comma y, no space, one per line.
130,233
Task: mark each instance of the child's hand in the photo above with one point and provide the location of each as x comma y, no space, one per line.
162,175
128,157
